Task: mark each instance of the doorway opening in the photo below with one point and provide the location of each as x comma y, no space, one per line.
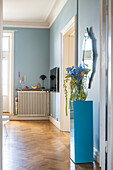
68,51
8,71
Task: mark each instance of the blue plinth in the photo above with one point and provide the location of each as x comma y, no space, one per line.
81,131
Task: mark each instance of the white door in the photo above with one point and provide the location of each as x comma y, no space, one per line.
6,73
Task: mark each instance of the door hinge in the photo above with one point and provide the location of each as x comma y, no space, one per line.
106,146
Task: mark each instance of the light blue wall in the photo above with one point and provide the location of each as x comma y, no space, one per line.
64,17
88,13
38,50
31,55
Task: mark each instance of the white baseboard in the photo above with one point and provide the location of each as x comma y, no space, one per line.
96,155
29,118
55,122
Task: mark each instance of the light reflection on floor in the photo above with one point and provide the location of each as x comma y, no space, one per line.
16,136
90,166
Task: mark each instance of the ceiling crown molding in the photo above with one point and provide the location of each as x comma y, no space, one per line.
22,24
57,7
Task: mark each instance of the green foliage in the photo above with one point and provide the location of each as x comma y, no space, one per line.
77,95
66,93
76,76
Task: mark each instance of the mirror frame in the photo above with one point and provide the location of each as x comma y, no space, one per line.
89,32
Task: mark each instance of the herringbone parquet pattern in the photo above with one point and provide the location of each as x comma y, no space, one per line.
37,145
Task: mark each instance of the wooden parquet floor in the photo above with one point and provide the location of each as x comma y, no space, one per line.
38,145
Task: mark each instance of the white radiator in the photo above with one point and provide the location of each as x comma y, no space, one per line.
33,103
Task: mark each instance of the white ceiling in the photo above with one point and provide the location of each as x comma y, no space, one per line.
33,13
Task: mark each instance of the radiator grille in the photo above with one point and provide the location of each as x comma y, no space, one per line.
33,103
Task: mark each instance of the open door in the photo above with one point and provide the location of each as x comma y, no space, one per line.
68,50
8,71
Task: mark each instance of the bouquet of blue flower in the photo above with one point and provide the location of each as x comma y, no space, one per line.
76,76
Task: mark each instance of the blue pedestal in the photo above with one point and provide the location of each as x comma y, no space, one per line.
81,131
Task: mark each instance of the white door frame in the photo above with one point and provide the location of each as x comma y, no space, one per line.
103,52
63,32
109,147
1,26
110,85
11,96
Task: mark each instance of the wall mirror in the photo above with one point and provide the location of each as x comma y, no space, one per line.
88,55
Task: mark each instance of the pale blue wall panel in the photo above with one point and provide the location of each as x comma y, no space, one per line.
31,55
